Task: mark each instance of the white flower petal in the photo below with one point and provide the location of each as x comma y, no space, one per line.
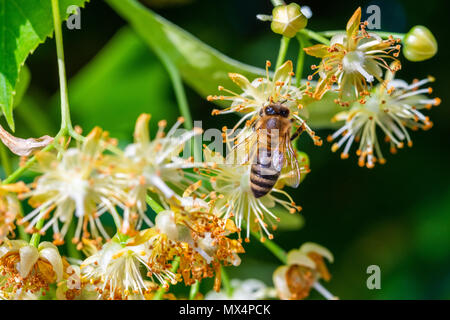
45,245
12,246
28,257
313,247
300,258
280,282
53,257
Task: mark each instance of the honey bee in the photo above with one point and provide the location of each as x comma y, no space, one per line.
269,150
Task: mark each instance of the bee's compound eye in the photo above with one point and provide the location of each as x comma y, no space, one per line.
269,110
284,112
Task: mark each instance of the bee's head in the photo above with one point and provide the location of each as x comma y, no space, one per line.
275,109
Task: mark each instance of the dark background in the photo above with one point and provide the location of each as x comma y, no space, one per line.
396,216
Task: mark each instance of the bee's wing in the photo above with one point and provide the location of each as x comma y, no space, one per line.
291,172
245,151
277,151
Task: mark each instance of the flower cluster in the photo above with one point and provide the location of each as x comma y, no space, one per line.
189,240
260,93
116,271
87,182
74,183
393,108
26,270
205,244
179,219
230,176
352,60
357,58
233,196
304,268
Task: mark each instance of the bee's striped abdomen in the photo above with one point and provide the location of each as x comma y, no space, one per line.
263,176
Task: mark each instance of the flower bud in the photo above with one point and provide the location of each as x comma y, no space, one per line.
288,20
419,44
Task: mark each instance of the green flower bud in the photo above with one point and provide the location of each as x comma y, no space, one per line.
419,44
288,20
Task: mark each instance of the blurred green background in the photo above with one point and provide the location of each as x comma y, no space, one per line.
396,216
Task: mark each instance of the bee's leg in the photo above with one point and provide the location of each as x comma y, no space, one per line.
298,132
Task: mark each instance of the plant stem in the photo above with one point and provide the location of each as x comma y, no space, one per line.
22,234
183,105
386,35
36,237
382,34
315,35
66,123
154,205
180,94
194,290
276,3
300,60
273,247
282,51
226,282
6,164
16,174
175,264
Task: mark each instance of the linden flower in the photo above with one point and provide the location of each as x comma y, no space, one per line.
249,289
393,108
115,271
155,165
9,294
27,268
304,268
203,239
74,184
235,198
352,60
70,288
261,92
9,207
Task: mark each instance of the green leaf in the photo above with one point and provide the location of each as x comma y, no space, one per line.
124,80
24,24
201,66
